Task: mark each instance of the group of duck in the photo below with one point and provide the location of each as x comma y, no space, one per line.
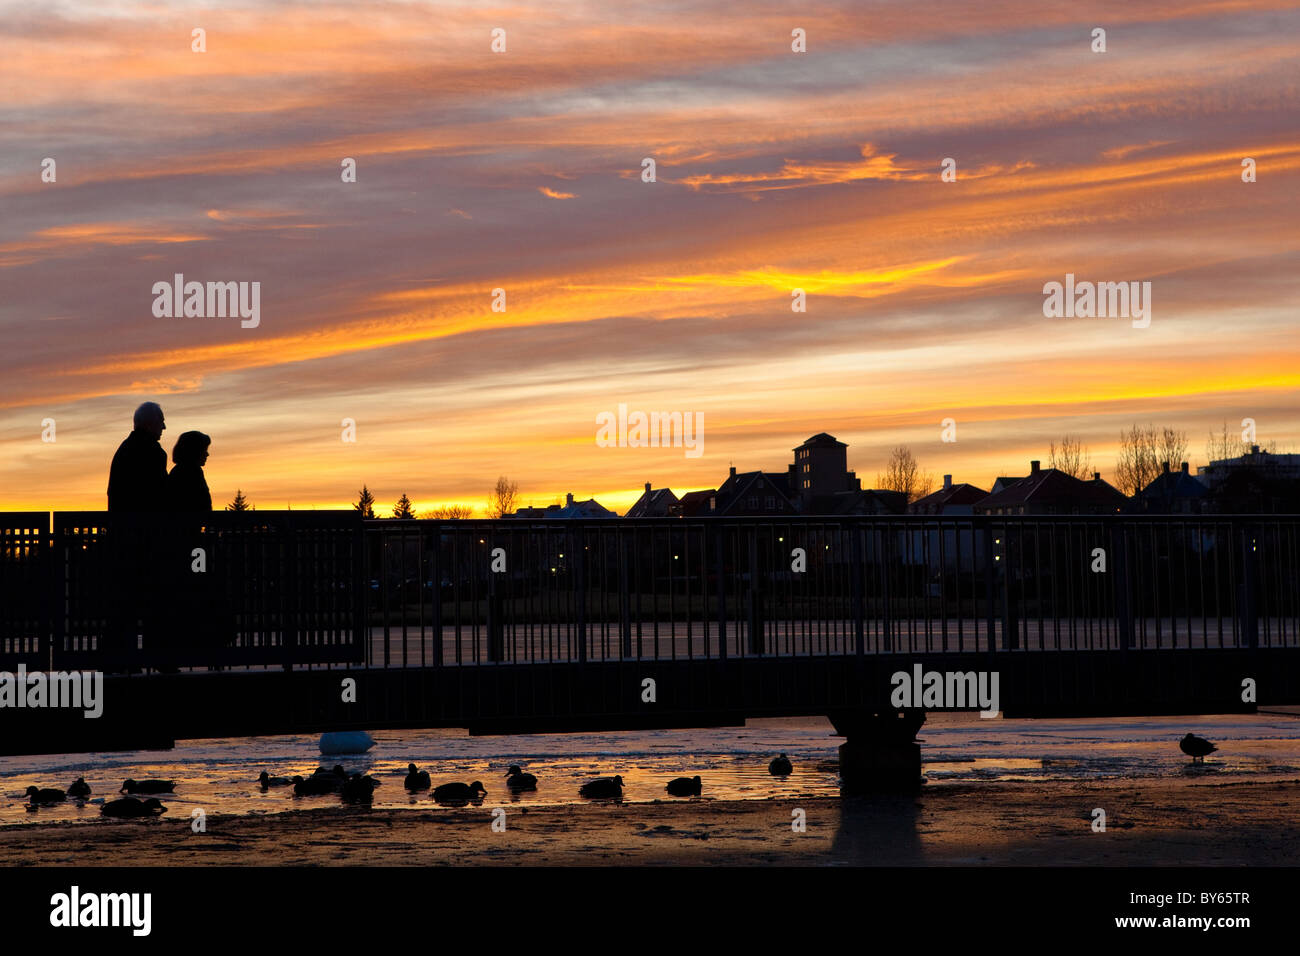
353,788
132,805
360,788
602,788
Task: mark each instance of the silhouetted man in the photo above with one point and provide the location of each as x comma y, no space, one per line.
137,480
137,485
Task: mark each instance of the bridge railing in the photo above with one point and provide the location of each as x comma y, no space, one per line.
89,590
468,592
321,589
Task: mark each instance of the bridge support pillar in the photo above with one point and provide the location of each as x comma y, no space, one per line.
880,753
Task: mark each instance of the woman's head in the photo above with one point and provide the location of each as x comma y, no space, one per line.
191,449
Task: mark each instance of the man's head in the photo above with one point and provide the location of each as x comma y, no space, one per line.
149,420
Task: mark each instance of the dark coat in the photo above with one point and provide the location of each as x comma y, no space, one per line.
137,478
187,490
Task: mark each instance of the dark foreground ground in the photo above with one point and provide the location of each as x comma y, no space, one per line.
1148,822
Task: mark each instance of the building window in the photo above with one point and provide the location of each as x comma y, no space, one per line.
771,503
753,503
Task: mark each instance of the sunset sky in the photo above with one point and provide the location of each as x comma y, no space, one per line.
522,170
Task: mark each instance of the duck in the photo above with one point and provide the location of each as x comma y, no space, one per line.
685,787
516,779
131,807
1196,747
603,788
37,796
147,786
79,788
267,781
416,779
359,789
317,784
459,791
780,766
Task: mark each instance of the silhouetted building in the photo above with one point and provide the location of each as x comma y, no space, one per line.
821,468
1003,482
653,503
817,482
570,509
582,509
694,504
958,499
1257,482
1050,491
1171,492
754,493
1266,464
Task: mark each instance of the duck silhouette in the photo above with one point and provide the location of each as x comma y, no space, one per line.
603,788
416,779
44,797
79,788
685,787
359,789
780,766
458,792
147,786
517,780
321,782
126,807
1196,747
267,781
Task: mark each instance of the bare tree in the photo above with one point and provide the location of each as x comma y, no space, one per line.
1171,446
904,474
1071,457
1143,452
503,499
1227,445
403,508
444,512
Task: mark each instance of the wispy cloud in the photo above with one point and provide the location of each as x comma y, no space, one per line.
776,171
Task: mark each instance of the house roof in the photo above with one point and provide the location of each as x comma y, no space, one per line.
742,484
652,503
821,438
695,502
590,508
1050,486
1174,484
958,494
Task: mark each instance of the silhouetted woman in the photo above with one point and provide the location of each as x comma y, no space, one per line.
193,598
187,489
